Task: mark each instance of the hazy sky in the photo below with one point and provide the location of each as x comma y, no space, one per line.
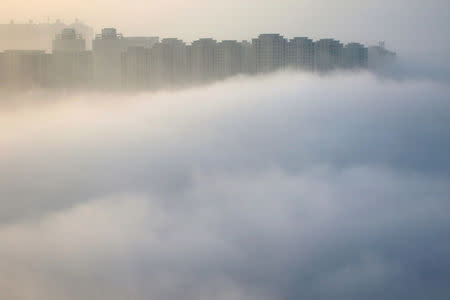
402,23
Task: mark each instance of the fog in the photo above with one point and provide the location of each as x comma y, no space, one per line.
286,186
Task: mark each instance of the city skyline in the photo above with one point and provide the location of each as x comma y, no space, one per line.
120,61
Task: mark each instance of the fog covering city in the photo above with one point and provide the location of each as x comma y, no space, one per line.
287,184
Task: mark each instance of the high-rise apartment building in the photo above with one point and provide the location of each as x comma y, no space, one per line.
25,68
270,52
169,62
248,58
380,57
136,68
31,35
228,59
70,65
203,59
328,55
107,48
355,56
300,54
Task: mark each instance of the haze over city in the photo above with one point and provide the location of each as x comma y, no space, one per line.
224,150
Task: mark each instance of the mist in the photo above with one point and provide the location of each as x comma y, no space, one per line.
284,186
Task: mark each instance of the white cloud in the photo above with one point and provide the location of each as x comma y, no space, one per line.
271,187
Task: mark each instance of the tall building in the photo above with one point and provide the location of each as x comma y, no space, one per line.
2,69
270,52
228,59
31,36
107,53
203,59
169,62
328,55
248,58
380,57
107,50
140,41
136,68
69,40
355,56
70,65
300,54
25,68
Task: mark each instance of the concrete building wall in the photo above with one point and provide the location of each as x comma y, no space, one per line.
203,59
248,57
328,55
300,54
355,56
136,68
379,57
25,68
270,52
228,59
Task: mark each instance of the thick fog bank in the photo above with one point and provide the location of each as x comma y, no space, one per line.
282,187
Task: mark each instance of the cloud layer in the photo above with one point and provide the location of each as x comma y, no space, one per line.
284,187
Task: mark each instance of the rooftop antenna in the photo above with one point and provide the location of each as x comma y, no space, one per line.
381,44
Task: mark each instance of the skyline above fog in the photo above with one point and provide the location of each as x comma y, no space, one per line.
407,26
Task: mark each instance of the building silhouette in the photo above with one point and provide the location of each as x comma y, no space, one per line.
31,35
203,60
270,52
70,65
300,54
328,55
380,57
228,59
25,68
355,55
143,62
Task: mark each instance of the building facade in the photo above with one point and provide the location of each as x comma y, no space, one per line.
300,54
270,52
328,55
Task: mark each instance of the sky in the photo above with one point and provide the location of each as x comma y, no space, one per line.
412,27
254,188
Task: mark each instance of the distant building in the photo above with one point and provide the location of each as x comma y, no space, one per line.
107,52
270,52
300,54
248,58
380,57
169,62
69,40
30,36
328,55
70,65
136,67
203,59
140,41
143,62
228,59
3,73
355,56
25,68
